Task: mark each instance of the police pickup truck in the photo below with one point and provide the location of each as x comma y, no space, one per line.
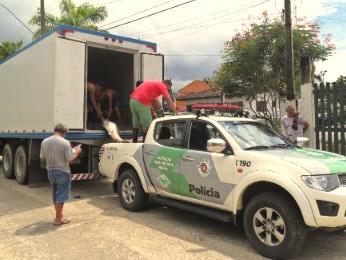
234,170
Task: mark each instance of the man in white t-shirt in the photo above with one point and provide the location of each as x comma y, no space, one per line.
294,124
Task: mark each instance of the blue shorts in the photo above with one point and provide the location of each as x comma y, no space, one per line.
61,185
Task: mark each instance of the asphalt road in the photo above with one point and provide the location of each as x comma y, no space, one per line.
101,229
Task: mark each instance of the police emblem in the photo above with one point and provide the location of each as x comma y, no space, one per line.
204,167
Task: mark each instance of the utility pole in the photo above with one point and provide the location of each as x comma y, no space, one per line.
289,51
43,23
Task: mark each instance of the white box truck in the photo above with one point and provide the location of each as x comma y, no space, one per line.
45,83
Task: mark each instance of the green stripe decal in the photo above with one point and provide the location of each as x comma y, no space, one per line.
334,162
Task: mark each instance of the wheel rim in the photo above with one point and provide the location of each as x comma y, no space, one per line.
269,226
128,191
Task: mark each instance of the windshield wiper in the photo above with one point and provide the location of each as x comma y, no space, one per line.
257,147
281,146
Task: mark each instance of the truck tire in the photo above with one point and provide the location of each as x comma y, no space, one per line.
131,194
21,167
7,161
274,226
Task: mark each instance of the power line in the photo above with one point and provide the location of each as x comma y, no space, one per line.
189,20
206,20
337,20
108,3
151,14
208,26
17,18
12,9
337,7
135,14
203,26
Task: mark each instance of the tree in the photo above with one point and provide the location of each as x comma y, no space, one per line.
341,79
254,62
85,16
7,48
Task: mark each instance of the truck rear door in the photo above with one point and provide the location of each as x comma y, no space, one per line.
151,67
70,83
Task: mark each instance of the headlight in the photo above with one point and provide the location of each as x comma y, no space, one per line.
322,182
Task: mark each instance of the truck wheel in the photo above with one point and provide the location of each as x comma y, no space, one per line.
21,164
7,161
131,194
274,226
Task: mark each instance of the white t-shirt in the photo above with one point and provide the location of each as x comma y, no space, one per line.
298,126
58,152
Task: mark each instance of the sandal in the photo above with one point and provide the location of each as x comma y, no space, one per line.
62,222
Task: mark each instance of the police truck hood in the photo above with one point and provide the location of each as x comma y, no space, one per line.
314,161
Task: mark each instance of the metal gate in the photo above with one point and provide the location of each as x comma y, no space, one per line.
330,115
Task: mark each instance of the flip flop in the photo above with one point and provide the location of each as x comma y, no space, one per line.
62,222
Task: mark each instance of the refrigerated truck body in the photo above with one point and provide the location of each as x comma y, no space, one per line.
45,83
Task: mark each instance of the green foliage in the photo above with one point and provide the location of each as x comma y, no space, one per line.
7,48
254,60
341,80
84,16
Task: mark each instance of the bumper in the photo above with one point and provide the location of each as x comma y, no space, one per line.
329,208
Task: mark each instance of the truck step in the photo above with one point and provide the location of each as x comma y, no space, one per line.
208,212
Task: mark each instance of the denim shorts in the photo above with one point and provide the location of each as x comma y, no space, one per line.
61,185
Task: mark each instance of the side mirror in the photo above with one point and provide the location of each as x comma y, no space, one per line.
302,141
216,145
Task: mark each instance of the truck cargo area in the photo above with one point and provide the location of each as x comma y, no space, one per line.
45,82
114,70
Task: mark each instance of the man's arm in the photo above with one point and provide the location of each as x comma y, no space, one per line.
305,127
171,105
76,152
95,104
110,104
304,123
117,112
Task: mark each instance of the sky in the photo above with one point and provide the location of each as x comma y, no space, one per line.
190,33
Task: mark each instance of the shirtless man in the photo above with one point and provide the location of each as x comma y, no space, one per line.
112,99
94,95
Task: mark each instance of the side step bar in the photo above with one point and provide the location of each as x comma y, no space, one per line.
208,212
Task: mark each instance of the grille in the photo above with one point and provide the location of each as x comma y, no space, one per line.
342,179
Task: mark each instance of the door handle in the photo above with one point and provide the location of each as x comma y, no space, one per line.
149,153
188,159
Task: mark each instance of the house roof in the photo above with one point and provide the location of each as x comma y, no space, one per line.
198,89
208,93
196,86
